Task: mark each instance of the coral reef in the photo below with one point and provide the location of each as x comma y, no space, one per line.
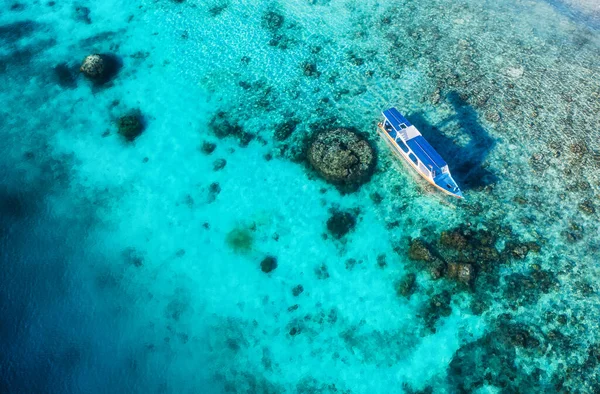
342,157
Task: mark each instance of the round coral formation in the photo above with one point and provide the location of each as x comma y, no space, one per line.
100,68
93,66
343,158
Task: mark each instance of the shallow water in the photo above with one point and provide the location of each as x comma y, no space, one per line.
126,269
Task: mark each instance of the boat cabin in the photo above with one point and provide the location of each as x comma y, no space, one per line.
412,143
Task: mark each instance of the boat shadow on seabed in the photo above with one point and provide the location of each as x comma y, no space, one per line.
466,163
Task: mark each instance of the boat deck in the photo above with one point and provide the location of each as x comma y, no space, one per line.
425,152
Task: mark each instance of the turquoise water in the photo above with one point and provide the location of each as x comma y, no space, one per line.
125,268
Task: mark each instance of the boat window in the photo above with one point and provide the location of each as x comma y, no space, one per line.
402,145
413,158
424,169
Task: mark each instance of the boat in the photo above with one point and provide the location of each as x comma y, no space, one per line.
408,143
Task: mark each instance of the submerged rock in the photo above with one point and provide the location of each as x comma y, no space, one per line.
131,125
343,158
341,223
93,66
100,68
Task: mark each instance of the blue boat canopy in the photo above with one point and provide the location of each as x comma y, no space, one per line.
425,152
396,119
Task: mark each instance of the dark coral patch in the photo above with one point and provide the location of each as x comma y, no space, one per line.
297,290
284,130
222,127
268,264
131,125
240,239
272,21
406,286
65,76
309,69
13,32
217,10
208,147
437,307
492,360
219,164
213,191
82,14
341,223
